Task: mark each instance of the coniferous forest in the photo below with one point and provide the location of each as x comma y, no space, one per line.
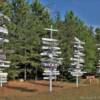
26,29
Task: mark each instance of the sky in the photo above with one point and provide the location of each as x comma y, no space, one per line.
86,10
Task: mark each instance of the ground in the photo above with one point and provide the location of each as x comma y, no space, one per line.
39,90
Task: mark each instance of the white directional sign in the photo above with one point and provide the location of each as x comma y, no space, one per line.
53,73
52,65
77,73
48,54
47,78
46,47
98,48
3,63
78,46
3,78
79,53
75,64
3,30
8,62
50,43
4,40
49,39
80,60
76,56
78,41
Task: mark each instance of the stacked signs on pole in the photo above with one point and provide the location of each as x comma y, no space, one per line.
77,61
98,65
3,63
50,57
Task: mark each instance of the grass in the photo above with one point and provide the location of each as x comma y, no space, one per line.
82,93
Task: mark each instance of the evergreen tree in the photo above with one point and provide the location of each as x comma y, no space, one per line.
26,30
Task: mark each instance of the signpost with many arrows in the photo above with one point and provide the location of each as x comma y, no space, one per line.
77,61
3,63
50,56
98,64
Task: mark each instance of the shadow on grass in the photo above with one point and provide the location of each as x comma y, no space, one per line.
22,89
45,84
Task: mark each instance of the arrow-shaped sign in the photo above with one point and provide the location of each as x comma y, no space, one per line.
3,30
49,40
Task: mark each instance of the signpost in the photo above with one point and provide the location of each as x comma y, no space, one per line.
51,53
3,78
3,63
78,60
98,64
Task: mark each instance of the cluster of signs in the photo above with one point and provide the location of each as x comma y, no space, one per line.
77,61
98,64
3,63
50,57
